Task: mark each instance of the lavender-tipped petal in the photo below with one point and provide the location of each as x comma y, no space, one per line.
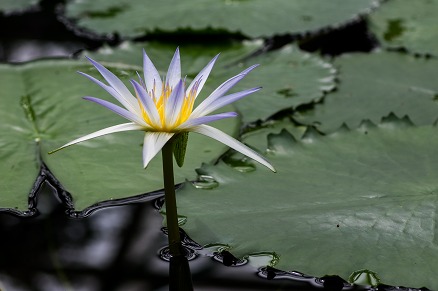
221,90
202,77
225,100
174,72
118,110
232,143
147,102
116,84
205,119
151,76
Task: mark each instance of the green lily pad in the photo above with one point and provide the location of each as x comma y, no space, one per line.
289,77
11,6
373,85
253,18
352,200
42,109
256,137
407,24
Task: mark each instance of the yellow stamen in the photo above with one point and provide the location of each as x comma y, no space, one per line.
160,104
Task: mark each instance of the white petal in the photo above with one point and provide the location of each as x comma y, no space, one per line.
205,119
130,102
148,103
202,77
151,76
225,100
118,110
140,80
105,131
107,88
231,142
174,104
174,72
153,143
221,90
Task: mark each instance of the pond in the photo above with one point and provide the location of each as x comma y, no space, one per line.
117,248
347,115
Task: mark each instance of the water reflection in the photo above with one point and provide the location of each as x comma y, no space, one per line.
125,248
114,248
111,248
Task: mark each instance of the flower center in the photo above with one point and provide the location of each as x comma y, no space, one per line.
184,111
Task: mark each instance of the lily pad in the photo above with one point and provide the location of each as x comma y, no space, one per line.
289,77
13,6
42,109
407,24
253,18
256,136
373,85
352,200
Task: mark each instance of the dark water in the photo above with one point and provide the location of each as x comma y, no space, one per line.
123,247
119,248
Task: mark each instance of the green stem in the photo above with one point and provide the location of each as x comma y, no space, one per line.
169,196
179,269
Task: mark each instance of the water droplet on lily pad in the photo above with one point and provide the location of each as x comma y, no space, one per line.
205,182
242,165
182,220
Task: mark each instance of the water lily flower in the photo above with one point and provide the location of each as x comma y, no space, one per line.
164,108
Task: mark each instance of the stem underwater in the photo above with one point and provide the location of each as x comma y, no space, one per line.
179,269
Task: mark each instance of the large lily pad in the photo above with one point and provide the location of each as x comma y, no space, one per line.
407,24
253,18
289,77
373,85
12,6
41,109
359,199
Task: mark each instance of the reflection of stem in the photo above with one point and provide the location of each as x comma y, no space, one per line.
180,277
169,196
55,259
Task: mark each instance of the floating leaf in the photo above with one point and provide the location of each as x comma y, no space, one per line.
289,77
257,136
352,200
407,24
13,6
373,85
41,109
253,18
